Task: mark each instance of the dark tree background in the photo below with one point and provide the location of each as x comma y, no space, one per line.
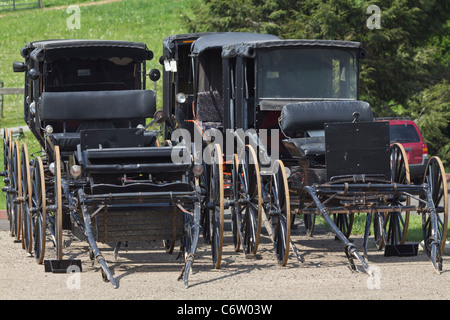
406,72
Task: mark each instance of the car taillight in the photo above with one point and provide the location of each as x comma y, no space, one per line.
424,149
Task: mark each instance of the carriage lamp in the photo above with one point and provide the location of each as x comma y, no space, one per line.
180,97
49,129
197,170
75,171
288,172
32,108
51,167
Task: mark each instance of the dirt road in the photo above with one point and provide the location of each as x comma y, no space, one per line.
145,271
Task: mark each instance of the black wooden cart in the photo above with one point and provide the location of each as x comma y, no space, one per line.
285,133
101,174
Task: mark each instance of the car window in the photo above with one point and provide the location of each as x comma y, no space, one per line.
404,133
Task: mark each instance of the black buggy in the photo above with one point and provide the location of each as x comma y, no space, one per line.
101,174
286,135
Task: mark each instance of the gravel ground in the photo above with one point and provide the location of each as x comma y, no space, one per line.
145,271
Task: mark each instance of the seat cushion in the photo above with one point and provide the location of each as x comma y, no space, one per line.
304,147
66,141
137,160
97,105
299,117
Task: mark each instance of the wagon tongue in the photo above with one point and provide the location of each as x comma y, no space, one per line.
401,250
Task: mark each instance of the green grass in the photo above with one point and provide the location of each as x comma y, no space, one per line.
134,20
130,20
414,233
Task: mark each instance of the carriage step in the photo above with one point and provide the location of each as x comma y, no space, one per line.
401,250
62,266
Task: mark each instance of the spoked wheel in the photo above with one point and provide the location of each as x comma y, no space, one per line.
216,205
234,194
395,224
310,221
58,205
280,212
7,168
248,200
435,226
5,151
39,209
344,222
16,193
26,202
204,216
378,230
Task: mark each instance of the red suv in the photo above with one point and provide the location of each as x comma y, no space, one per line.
405,132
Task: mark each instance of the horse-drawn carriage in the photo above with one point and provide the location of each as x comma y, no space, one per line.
286,134
267,128
101,174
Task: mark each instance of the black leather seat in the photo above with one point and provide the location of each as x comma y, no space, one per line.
95,110
298,118
136,160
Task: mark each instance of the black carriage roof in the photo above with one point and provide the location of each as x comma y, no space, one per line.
247,48
219,40
185,36
52,49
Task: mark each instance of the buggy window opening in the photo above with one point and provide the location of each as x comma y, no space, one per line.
300,73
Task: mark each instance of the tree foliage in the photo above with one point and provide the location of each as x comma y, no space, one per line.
431,109
407,57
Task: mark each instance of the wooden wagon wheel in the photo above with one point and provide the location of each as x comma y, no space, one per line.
233,199
248,206
26,203
309,221
5,150
280,212
216,205
391,228
344,222
58,204
7,168
39,209
436,180
16,212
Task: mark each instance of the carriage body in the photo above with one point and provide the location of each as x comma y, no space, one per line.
292,104
107,178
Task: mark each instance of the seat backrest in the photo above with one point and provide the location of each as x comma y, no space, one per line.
299,117
358,149
97,105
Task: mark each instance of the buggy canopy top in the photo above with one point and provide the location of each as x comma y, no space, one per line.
48,50
219,40
247,49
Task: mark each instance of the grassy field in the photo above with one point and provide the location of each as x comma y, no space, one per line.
134,20
146,21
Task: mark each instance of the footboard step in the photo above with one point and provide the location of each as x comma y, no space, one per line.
401,250
62,266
